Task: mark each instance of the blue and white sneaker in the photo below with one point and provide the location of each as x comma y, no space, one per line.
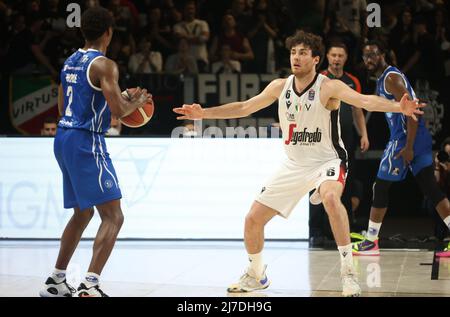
53,289
249,283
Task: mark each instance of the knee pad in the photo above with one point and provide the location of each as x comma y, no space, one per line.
381,193
429,186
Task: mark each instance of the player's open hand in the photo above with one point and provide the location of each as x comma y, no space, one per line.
189,112
411,107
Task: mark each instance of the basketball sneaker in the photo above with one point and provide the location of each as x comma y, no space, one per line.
366,247
444,253
350,286
357,237
53,289
93,291
249,283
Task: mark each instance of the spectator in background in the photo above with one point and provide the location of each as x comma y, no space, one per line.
182,62
262,35
440,26
346,19
54,27
119,50
401,38
134,12
32,7
239,44
54,17
170,15
123,19
92,4
49,127
145,61
25,53
197,34
440,29
225,64
242,15
70,41
158,32
426,61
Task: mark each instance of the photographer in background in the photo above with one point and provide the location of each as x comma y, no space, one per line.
442,174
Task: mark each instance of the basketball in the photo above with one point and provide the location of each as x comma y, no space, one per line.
138,117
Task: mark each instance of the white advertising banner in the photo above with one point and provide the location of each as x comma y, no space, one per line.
172,188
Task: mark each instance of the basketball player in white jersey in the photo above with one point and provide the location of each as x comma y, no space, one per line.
316,158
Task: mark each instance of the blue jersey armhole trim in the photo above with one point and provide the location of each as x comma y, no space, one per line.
87,74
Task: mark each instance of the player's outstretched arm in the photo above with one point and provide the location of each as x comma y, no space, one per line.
107,74
234,109
337,89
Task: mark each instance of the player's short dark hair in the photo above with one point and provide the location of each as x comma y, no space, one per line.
338,44
95,22
310,40
50,120
380,45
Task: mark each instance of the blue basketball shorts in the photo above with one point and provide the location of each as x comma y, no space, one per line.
395,170
89,178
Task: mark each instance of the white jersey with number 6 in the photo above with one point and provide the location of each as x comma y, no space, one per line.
311,133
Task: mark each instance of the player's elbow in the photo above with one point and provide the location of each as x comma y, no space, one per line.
245,109
366,103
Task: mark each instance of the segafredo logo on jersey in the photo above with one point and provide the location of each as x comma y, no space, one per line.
303,137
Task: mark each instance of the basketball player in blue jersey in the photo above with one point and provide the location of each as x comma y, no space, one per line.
89,93
409,148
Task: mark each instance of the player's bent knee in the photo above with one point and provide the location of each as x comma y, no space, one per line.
118,218
331,201
253,220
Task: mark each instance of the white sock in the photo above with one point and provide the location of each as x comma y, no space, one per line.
447,222
58,275
346,258
91,279
256,264
373,230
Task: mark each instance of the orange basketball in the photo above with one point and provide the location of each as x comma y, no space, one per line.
140,116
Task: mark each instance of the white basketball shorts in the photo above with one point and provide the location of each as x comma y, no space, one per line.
291,182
